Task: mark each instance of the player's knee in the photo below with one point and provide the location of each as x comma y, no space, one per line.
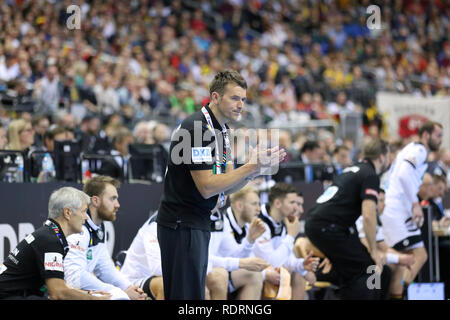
157,288
255,279
217,279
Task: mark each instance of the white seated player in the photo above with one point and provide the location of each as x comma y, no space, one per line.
231,270
142,265
277,243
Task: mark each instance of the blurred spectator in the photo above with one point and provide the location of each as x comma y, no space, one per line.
41,124
107,96
160,98
9,67
341,158
49,90
142,133
37,153
311,152
161,134
326,141
89,133
285,142
67,120
161,137
86,92
337,35
3,138
119,166
3,143
441,165
20,135
302,60
341,104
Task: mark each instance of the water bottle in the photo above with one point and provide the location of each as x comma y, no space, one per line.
48,168
10,174
85,173
11,170
19,164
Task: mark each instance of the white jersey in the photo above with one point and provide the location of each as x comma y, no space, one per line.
415,154
235,242
402,185
360,226
88,265
220,239
143,259
276,246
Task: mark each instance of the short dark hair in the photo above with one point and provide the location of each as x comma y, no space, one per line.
428,126
310,145
339,148
50,134
374,148
35,121
223,78
280,190
96,185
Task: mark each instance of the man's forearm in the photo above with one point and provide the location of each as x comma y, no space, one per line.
74,294
237,187
370,224
223,182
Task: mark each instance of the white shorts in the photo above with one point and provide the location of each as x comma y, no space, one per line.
400,231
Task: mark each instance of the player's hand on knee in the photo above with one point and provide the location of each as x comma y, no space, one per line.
272,276
136,293
444,222
326,265
310,263
310,277
253,264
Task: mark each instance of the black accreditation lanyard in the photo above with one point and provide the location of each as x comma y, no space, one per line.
218,162
56,230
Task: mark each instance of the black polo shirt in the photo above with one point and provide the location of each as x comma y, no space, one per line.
192,148
341,202
36,258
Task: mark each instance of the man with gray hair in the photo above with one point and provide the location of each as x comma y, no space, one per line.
35,267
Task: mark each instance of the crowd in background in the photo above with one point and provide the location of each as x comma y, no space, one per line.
144,65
